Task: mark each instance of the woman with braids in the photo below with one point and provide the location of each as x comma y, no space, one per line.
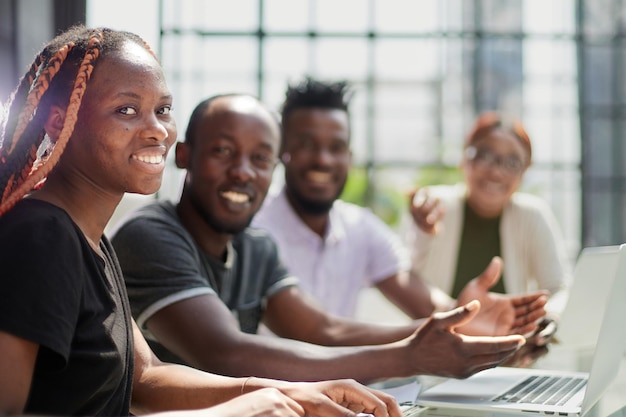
88,122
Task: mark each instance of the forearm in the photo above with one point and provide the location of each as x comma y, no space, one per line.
413,296
298,361
416,304
441,301
166,387
169,387
347,332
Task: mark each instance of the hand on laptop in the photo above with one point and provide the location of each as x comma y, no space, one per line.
333,397
437,349
501,314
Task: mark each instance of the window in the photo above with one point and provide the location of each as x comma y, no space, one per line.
422,70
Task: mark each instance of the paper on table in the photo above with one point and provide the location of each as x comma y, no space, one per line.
404,391
404,394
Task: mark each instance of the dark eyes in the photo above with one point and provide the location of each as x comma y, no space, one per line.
127,111
222,151
260,160
336,147
131,111
165,110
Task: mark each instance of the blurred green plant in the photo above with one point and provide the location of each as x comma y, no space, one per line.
438,174
389,201
356,187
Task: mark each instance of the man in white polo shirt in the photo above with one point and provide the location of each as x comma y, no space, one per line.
334,247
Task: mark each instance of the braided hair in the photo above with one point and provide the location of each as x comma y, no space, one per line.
58,76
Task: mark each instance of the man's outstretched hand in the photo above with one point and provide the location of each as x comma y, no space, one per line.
501,314
436,348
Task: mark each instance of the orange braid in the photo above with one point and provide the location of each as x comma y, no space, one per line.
19,95
41,85
25,157
43,168
8,188
17,101
32,72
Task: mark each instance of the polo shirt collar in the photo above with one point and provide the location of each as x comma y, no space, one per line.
335,230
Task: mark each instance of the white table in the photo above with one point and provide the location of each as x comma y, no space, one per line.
612,403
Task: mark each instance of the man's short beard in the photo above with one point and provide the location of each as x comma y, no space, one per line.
313,207
216,224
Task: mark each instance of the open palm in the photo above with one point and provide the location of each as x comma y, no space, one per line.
500,314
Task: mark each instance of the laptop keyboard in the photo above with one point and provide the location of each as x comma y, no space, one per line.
549,390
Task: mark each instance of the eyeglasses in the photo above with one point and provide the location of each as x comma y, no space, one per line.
485,158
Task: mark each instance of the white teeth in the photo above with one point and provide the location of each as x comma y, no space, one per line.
149,159
319,176
236,197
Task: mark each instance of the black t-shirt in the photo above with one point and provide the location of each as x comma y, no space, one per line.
57,292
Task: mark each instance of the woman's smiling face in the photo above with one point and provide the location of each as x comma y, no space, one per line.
124,128
493,167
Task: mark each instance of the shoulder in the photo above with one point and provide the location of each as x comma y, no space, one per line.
355,219
255,238
530,212
145,217
155,227
274,209
530,204
38,223
359,222
44,241
32,210
158,210
352,212
256,245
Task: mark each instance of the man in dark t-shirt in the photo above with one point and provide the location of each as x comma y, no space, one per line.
166,266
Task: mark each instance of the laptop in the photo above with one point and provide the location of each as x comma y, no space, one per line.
579,327
560,393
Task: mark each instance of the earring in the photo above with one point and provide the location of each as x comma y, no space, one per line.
286,157
45,148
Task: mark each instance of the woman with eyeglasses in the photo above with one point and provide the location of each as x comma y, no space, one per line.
459,229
